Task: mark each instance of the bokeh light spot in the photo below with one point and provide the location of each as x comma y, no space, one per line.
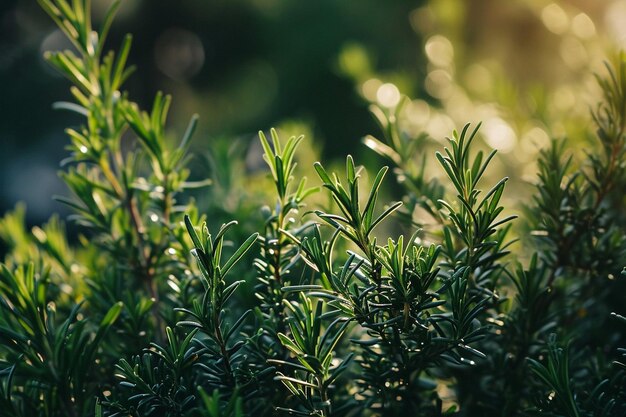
179,53
55,41
439,51
478,79
555,18
369,89
534,140
499,135
439,126
573,52
564,98
353,60
388,95
439,84
418,112
583,26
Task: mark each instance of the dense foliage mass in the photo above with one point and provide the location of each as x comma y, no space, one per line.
157,311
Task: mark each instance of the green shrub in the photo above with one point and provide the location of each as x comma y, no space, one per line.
155,312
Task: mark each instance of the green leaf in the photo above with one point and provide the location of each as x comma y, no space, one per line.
296,381
368,211
106,24
386,213
119,69
245,246
321,172
191,128
192,233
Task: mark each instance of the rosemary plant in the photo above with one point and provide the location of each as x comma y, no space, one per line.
147,315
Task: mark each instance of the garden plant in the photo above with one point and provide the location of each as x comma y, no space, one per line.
332,302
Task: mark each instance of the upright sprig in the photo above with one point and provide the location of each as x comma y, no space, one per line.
574,205
578,218
470,229
208,314
476,220
355,224
415,315
169,380
579,221
570,287
279,254
126,205
610,119
279,260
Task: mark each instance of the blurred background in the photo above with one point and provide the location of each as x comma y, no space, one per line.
522,67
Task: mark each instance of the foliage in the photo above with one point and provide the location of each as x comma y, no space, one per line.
149,314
